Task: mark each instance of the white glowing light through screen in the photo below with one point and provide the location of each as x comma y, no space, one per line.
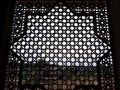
60,38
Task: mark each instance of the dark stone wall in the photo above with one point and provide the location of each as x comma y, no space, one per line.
6,9
2,21
114,15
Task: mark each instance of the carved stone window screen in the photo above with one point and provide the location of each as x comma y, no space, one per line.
60,45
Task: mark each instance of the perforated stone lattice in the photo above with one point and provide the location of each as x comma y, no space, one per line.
60,38
60,48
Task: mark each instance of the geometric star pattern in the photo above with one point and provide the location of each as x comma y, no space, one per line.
60,45
60,38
